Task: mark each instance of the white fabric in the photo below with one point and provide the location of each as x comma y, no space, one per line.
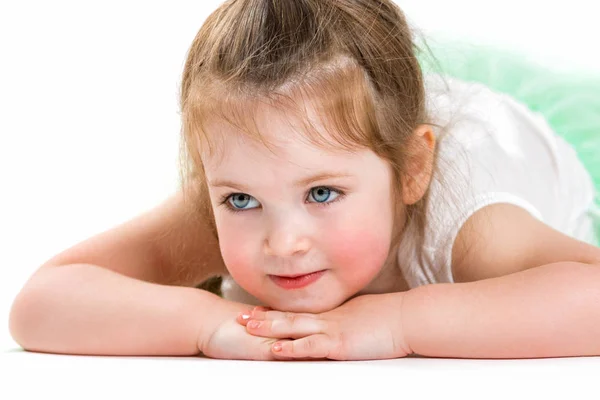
495,150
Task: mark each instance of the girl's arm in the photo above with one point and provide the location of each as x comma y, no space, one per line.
547,311
87,309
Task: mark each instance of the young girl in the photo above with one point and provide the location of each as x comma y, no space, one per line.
371,210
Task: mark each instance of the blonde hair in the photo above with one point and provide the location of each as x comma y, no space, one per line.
356,58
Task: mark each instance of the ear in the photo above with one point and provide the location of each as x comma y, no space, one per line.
419,165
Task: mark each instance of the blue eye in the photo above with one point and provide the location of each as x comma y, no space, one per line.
237,202
240,201
321,194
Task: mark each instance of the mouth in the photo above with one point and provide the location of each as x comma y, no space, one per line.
296,281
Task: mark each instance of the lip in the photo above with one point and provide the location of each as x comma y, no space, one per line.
296,281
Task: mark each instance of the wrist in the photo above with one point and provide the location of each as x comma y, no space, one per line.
429,316
410,308
211,312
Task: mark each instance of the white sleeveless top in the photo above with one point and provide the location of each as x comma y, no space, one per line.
496,150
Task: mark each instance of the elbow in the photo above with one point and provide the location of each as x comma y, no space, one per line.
17,320
22,319
27,312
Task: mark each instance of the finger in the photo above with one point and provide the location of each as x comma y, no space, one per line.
244,316
263,351
294,326
281,358
272,315
314,346
277,357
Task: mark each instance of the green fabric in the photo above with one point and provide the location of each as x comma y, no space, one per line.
569,101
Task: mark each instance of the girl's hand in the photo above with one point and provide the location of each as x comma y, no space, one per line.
230,340
367,327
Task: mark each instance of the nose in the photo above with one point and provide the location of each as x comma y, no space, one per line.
286,237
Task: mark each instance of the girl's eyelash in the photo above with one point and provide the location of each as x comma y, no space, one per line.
225,199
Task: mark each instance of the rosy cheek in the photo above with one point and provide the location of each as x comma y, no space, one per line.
237,256
358,255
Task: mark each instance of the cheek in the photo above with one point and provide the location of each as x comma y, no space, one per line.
358,254
237,250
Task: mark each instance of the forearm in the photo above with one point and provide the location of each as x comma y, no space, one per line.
549,311
86,309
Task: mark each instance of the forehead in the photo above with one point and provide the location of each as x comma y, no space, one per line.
251,166
283,138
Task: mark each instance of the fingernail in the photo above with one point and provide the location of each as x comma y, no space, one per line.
244,316
277,347
253,324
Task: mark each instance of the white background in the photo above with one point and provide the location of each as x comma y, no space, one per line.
89,119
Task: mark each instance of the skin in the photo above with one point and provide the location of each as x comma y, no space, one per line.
342,225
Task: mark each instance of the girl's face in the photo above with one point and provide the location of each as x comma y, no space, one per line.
299,211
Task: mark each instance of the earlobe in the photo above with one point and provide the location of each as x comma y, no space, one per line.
420,166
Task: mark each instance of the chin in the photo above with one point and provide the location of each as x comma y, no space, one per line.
305,305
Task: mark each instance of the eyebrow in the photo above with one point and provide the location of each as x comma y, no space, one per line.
301,182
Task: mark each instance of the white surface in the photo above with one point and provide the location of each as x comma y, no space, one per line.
88,138
169,377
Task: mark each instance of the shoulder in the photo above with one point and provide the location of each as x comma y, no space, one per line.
494,157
